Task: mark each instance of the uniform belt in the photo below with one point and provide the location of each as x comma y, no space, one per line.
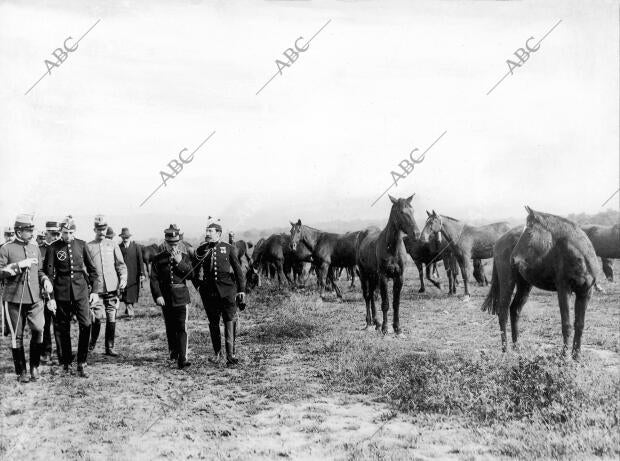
178,285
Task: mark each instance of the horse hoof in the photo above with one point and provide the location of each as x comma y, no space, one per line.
421,290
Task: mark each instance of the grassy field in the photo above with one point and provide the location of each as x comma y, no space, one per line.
314,385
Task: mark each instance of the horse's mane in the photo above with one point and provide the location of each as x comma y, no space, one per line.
552,223
450,218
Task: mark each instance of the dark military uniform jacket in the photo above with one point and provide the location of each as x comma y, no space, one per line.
168,278
72,269
217,270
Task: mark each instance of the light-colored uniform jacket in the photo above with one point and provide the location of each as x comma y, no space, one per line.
15,278
110,265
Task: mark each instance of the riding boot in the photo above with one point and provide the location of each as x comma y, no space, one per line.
216,340
95,328
182,345
110,330
83,338
230,343
234,351
35,359
20,367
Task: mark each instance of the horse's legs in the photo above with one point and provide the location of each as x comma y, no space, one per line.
330,276
430,278
385,302
367,296
463,260
608,268
421,275
398,285
322,275
352,269
373,307
563,294
523,292
506,287
581,303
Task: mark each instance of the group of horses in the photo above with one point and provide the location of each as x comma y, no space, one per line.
548,252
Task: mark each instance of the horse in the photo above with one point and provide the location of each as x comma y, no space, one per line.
381,256
465,242
479,274
422,254
148,253
329,250
606,242
550,253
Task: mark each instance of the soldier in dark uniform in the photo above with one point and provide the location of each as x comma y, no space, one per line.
52,233
220,282
169,270
69,263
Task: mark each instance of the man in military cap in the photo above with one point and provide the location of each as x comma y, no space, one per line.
9,235
221,283
110,234
52,233
40,238
21,268
169,270
76,283
112,278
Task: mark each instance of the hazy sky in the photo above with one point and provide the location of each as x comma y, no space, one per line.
319,142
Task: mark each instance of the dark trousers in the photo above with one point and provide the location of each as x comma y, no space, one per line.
175,319
218,308
47,334
62,328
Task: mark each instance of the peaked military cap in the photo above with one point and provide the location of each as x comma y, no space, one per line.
24,221
172,234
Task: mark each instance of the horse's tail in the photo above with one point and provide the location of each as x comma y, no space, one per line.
492,299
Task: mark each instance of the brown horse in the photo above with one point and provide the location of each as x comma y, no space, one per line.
328,250
275,254
465,242
423,254
381,256
550,253
606,242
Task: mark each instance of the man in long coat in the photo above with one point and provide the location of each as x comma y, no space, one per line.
132,254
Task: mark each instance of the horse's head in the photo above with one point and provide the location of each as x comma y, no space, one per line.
252,279
296,231
402,214
432,228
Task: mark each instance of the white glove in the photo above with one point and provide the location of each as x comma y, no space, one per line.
122,284
24,263
48,287
160,301
51,306
94,297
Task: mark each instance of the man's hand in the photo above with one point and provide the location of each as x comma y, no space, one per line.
51,306
142,278
94,297
24,263
160,301
122,285
48,287
177,255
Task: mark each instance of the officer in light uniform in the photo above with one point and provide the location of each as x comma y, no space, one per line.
169,270
52,233
76,283
112,278
21,268
221,284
